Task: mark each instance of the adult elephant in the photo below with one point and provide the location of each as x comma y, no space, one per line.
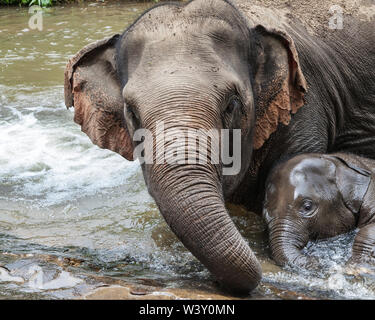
219,64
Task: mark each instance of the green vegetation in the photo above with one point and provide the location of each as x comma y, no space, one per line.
42,3
47,3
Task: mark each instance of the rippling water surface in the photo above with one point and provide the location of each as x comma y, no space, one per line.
72,215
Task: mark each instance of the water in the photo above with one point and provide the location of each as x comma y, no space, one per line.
73,216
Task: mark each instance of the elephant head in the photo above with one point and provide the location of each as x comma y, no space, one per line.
311,196
190,66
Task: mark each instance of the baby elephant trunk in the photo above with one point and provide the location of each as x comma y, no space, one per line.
287,238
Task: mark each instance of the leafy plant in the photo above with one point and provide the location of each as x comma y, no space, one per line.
48,3
41,3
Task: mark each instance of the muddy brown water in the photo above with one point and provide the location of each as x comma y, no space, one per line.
74,217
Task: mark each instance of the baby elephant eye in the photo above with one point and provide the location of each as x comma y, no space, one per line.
307,207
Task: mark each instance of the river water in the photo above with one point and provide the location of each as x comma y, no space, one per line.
74,216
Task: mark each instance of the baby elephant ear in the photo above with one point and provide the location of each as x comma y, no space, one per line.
279,84
352,183
92,86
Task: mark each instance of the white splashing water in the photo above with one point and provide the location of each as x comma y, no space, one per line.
332,281
63,280
5,276
44,156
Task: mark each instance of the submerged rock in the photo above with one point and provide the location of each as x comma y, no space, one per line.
150,293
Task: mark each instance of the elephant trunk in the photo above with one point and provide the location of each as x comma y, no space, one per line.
190,199
287,238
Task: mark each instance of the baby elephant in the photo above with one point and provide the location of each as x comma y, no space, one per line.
315,196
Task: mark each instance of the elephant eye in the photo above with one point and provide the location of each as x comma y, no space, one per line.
233,104
131,116
307,207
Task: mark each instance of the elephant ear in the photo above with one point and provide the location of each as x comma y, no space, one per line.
352,182
279,84
92,86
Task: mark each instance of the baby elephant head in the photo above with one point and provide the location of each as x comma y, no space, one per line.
311,196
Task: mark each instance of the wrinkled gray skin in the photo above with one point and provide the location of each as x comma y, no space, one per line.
211,64
315,196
